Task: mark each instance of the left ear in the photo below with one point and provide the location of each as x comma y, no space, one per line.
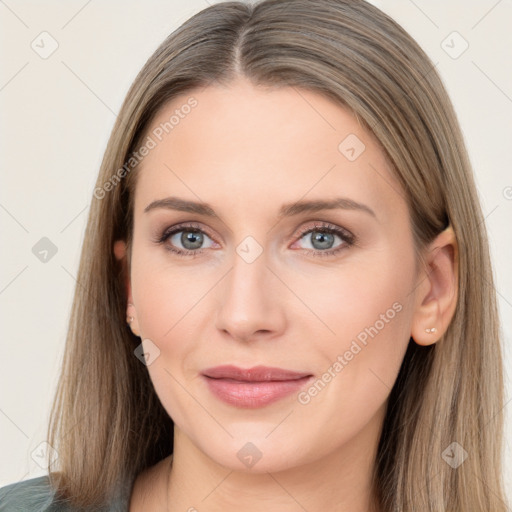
437,290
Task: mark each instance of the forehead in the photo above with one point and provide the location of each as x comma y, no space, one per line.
241,143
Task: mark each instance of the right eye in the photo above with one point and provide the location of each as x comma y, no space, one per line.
184,240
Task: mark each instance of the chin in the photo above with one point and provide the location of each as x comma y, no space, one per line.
256,454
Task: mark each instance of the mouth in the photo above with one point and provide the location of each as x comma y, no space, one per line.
253,387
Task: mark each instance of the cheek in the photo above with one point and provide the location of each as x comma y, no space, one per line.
370,317
375,315
166,300
170,302
165,293
366,311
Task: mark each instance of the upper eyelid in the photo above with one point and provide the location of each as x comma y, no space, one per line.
186,226
323,225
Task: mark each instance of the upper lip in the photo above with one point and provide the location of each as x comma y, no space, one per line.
254,374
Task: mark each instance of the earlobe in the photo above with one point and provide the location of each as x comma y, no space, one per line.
131,318
437,291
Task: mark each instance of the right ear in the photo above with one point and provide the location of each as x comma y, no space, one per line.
120,254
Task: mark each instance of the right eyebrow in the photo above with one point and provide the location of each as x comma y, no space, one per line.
182,205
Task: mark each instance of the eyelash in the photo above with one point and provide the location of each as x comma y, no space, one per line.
323,227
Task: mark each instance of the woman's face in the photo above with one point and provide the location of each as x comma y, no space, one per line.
267,276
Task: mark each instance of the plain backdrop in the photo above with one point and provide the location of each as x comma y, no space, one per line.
57,112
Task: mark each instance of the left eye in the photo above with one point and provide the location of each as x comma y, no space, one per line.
321,239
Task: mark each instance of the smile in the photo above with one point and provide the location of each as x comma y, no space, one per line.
255,387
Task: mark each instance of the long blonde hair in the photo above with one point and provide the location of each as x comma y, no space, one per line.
107,423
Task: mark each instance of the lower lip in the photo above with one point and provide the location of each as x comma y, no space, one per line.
251,395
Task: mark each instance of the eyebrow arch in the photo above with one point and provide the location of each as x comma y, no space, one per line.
287,210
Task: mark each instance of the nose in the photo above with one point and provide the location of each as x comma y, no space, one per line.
251,301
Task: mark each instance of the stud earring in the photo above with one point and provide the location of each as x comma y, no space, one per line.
431,330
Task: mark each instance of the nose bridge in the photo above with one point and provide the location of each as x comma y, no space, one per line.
248,280
249,303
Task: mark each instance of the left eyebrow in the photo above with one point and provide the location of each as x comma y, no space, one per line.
344,203
286,210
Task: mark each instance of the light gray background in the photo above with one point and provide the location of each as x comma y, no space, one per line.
57,114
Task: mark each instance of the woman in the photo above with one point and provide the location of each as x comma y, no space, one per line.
285,296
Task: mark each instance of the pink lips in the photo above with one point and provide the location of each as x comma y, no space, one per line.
253,387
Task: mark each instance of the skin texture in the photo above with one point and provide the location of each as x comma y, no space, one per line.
246,151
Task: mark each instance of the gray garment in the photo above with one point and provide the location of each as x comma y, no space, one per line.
36,495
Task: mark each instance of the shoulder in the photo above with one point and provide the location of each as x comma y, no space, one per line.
37,495
34,494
